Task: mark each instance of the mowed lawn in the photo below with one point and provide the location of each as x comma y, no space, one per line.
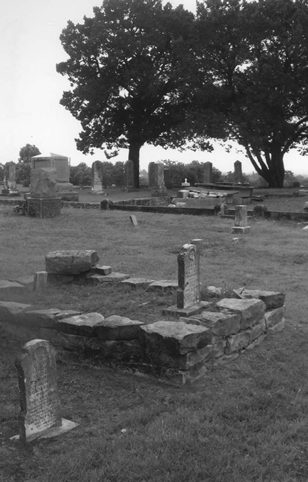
246,421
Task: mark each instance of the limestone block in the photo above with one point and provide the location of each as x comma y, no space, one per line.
118,328
175,337
45,318
251,310
71,262
10,288
257,330
137,282
273,317
219,344
184,377
113,277
237,342
103,270
221,323
115,350
83,325
9,310
163,285
272,299
181,362
278,327
43,183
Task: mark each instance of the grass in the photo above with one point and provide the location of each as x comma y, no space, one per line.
246,421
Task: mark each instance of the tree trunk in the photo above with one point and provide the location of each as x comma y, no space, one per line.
275,171
271,169
133,155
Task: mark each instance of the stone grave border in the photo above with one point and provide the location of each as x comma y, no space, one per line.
178,351
143,205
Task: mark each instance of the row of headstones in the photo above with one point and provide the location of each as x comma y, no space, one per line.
156,176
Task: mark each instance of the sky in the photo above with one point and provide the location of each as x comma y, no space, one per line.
30,90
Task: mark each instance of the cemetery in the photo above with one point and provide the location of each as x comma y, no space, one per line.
215,294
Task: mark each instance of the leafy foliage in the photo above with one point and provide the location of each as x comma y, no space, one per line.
126,71
23,166
258,55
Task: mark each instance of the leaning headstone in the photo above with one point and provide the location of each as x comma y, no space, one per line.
40,415
238,176
188,292
240,219
129,174
97,177
133,220
157,179
207,172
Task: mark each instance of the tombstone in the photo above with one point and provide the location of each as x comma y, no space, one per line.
185,183
238,176
207,173
97,177
60,163
43,200
157,179
40,415
188,291
240,219
10,176
129,175
133,220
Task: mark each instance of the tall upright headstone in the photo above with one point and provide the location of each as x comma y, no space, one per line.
238,175
97,177
40,415
207,172
240,219
157,179
61,165
188,293
129,174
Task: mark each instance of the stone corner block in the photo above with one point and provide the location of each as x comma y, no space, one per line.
117,327
83,324
251,310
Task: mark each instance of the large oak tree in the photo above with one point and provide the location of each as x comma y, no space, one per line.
257,53
128,66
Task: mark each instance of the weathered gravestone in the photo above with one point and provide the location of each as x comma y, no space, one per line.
188,292
129,175
207,172
40,415
238,175
157,179
43,201
240,219
97,177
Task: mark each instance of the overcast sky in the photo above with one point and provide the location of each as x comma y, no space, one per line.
30,88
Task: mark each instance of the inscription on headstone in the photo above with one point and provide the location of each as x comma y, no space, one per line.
188,292
40,405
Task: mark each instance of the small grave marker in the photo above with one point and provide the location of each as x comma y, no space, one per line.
40,405
133,220
240,219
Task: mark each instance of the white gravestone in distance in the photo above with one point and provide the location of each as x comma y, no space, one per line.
39,401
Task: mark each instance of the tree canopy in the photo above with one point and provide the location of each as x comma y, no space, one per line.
141,72
126,70
258,55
